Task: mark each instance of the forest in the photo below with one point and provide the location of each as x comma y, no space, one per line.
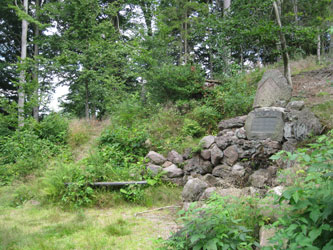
155,76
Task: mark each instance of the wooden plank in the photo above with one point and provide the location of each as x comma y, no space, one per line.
113,184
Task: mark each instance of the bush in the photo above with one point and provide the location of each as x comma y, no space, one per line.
171,83
225,223
54,128
206,116
192,128
309,224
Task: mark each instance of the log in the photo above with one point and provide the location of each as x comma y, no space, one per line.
113,184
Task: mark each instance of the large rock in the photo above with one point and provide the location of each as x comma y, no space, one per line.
297,105
193,189
175,157
156,158
216,155
207,141
301,124
263,123
205,154
154,169
273,90
235,122
260,178
222,171
198,165
238,170
230,155
173,171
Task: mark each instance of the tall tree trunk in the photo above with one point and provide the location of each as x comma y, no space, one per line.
285,55
295,8
87,101
35,73
185,39
226,9
21,93
318,47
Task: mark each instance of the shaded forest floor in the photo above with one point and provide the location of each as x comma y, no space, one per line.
36,226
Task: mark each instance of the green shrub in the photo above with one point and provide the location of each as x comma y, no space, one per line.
309,224
225,223
206,116
192,128
171,83
54,128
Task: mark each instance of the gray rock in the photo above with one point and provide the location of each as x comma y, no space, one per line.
222,171
263,123
260,178
193,190
179,181
173,171
210,180
207,141
235,122
273,90
205,154
264,236
289,145
207,193
187,153
156,158
175,157
297,105
234,192
222,142
216,155
230,155
198,165
240,133
238,170
154,169
302,124
276,190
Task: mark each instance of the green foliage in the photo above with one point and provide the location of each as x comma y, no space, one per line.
309,222
206,116
192,128
224,223
53,128
133,193
172,83
118,229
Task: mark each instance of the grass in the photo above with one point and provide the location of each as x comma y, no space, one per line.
324,112
48,227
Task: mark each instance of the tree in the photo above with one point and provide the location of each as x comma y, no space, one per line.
21,94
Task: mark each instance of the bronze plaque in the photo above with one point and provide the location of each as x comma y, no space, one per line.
264,124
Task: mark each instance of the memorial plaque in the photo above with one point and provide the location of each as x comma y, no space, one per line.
263,123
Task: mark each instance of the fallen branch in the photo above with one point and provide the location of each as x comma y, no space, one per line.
156,209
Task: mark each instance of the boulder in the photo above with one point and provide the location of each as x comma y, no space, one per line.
302,124
216,155
273,90
234,192
260,178
238,170
235,122
175,157
206,154
173,171
154,169
197,165
156,158
222,171
263,123
193,190
222,142
297,105
211,180
230,155
207,141
207,193
240,133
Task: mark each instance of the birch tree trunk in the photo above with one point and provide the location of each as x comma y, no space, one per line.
285,55
86,106
35,73
318,47
21,93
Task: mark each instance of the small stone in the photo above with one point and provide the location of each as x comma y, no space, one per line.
260,178
210,180
175,157
276,190
222,171
156,158
167,164
240,133
187,153
207,193
207,141
235,122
